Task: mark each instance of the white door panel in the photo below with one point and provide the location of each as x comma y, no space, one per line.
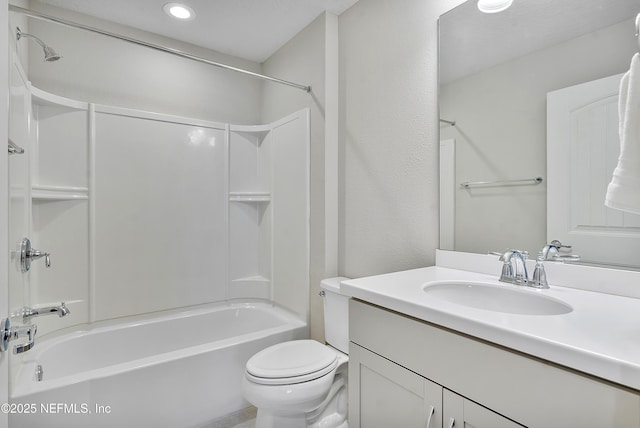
582,151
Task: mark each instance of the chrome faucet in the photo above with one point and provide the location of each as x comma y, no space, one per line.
28,254
28,313
514,269
8,333
551,252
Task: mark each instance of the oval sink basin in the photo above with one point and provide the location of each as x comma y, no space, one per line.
496,298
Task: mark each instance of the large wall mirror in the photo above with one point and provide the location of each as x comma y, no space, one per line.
498,74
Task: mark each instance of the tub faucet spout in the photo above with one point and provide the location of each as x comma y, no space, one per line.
28,313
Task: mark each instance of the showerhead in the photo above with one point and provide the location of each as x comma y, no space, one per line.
49,53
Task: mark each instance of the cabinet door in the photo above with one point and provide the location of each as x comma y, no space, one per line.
458,412
384,394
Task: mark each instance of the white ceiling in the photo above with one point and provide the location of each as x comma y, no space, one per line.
471,41
250,29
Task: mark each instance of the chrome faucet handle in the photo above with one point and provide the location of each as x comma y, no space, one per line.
28,254
551,252
507,269
539,277
8,333
514,269
36,254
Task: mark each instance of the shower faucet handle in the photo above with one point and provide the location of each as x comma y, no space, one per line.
28,254
8,333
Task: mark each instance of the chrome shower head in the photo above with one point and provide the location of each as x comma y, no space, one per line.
49,53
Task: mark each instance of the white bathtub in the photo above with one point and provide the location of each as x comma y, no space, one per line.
179,369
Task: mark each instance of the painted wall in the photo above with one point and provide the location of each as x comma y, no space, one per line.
389,135
304,60
388,218
507,140
108,71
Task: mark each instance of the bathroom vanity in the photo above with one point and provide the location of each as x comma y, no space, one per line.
420,360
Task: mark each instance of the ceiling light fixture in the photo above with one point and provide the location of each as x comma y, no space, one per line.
493,6
179,11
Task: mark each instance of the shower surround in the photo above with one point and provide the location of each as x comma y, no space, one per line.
152,213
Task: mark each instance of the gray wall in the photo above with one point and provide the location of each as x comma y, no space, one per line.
103,70
388,117
389,135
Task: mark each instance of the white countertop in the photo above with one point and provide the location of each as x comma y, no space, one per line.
601,336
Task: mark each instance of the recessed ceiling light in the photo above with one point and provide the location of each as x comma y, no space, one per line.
179,11
493,6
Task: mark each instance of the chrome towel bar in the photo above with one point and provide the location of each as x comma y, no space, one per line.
523,182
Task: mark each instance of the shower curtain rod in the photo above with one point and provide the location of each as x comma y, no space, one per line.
45,17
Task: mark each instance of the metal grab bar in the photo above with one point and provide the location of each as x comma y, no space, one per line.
522,182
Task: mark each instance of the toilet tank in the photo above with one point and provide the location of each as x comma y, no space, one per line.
336,314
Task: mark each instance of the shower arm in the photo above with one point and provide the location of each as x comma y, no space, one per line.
45,17
20,34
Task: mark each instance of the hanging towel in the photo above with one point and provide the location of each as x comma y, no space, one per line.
623,192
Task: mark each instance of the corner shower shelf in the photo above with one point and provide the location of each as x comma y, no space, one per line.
251,279
249,196
59,193
257,131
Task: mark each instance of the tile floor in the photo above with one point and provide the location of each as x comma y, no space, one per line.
245,418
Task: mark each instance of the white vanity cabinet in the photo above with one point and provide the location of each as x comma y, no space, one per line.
461,412
399,367
389,395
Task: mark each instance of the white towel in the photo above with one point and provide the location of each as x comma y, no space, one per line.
623,193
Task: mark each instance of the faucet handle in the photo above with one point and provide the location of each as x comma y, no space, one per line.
539,278
28,254
8,333
551,252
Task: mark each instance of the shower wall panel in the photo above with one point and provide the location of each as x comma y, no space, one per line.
144,212
160,213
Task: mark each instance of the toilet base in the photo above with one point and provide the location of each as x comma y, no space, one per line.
332,413
267,419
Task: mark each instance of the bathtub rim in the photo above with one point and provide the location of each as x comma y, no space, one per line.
24,383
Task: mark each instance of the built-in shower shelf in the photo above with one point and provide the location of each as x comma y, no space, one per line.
249,196
258,132
251,279
41,97
59,193
250,287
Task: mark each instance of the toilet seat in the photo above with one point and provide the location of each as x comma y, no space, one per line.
291,362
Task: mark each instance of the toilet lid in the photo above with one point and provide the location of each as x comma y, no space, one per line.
297,358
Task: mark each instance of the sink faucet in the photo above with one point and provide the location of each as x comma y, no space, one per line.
514,269
551,251
28,313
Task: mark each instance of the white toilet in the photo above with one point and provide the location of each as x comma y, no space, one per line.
303,383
